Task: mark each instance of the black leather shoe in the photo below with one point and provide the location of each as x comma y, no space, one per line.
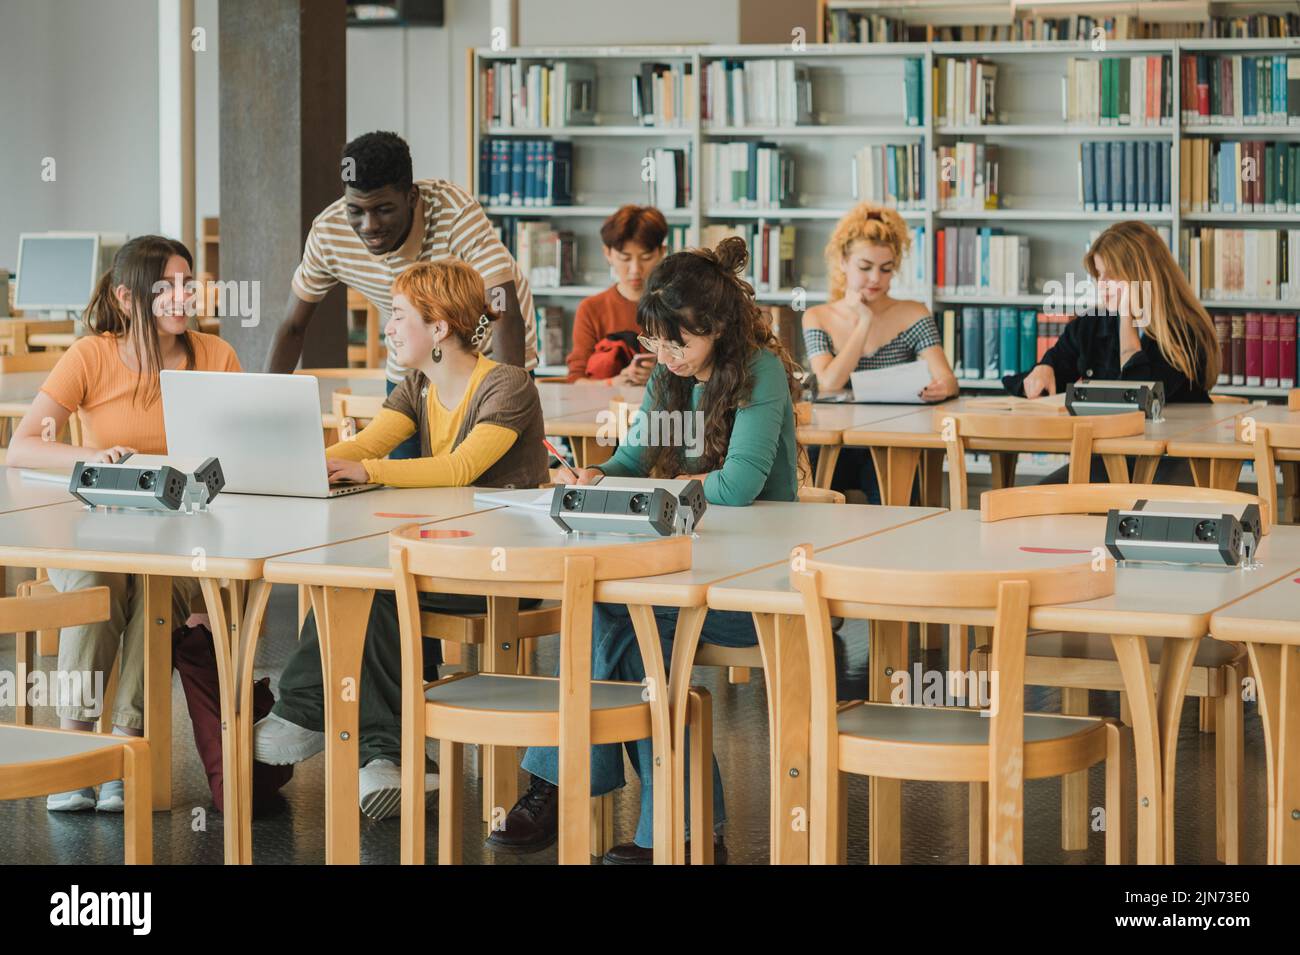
632,854
532,824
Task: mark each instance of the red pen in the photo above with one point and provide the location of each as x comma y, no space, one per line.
559,457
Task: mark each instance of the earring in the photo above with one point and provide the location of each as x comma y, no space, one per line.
437,354
480,333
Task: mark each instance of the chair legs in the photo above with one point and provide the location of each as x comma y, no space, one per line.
451,802
978,840
1119,738
137,814
1074,786
25,651
1229,769
700,704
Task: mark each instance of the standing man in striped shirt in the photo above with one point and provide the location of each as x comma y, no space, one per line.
386,222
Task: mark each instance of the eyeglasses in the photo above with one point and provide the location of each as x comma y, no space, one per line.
655,344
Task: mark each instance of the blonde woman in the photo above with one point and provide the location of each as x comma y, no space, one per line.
1153,328
862,327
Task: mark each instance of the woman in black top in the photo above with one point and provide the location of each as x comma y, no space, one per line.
1154,330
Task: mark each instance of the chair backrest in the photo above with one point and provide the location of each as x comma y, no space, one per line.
29,361
1010,594
363,407
1229,400
53,611
956,428
374,373
1293,399
1041,499
1268,439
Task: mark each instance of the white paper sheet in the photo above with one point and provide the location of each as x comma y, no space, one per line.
897,384
527,498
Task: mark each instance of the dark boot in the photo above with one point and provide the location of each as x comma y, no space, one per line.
533,823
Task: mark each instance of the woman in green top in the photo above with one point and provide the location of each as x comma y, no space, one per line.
729,388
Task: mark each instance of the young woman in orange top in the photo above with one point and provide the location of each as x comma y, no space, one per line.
110,378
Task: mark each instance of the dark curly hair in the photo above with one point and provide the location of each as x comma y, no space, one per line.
701,291
378,160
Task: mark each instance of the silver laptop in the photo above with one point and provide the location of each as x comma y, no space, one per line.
264,429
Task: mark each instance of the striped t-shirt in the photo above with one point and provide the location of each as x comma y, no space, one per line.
902,348
448,224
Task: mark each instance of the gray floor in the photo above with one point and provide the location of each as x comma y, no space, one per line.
934,815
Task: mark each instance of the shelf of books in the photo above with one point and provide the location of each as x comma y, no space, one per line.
1005,158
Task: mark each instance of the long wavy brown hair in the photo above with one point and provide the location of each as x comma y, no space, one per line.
1179,323
701,291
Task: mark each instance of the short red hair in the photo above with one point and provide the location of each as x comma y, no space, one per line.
644,225
448,291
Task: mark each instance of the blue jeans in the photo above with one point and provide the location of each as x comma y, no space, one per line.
616,656
410,448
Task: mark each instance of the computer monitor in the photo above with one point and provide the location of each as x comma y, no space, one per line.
56,271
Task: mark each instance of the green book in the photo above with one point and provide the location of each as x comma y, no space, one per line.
1270,177
1124,74
1028,339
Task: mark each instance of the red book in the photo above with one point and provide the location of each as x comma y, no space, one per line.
1286,346
1269,320
1223,335
1239,349
1254,349
1203,92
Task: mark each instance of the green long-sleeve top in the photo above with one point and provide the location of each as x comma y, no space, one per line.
761,461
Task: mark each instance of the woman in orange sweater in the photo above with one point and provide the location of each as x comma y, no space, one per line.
110,378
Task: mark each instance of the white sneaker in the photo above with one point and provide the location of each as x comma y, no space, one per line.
381,789
277,742
112,796
75,800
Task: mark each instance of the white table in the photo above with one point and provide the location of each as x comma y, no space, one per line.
1268,622
231,541
730,541
1150,600
18,493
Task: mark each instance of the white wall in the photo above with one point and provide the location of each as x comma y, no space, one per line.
584,22
78,81
79,84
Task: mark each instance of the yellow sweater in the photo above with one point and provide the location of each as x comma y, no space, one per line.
450,465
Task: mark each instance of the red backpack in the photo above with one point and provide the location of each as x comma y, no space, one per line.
612,354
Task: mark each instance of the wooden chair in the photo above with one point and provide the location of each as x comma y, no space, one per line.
36,762
957,428
995,751
1079,662
29,361
1229,400
374,373
1293,399
1269,438
739,661
570,711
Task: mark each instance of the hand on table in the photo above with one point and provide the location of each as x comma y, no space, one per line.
112,455
341,471
585,475
1040,381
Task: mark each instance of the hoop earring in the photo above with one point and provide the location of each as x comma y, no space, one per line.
437,354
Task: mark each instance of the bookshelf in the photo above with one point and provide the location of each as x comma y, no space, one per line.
1037,153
